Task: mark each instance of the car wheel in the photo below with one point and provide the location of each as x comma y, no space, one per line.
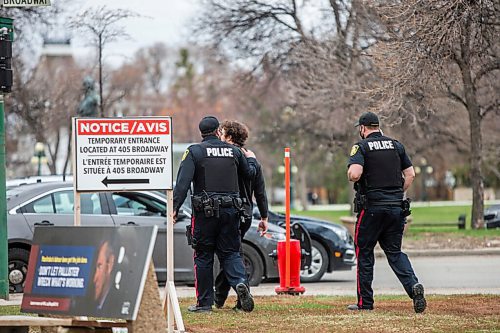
253,265
319,263
18,269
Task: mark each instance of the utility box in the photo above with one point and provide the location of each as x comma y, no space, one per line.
461,221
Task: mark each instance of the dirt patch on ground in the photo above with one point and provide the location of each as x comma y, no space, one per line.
427,241
455,313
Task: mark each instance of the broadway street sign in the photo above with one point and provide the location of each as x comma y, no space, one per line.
115,154
25,3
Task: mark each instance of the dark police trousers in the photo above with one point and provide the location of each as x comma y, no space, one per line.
384,224
216,235
222,286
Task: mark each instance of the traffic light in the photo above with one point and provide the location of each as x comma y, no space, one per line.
6,39
5,62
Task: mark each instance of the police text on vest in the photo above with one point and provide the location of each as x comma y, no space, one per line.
380,145
220,152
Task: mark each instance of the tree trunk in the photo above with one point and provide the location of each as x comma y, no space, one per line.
477,217
54,154
68,155
302,187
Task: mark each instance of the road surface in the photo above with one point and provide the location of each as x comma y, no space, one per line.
440,275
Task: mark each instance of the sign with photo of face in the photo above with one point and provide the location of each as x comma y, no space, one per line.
88,271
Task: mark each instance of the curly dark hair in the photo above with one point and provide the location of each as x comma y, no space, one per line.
236,130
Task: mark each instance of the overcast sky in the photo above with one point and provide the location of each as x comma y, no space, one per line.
162,21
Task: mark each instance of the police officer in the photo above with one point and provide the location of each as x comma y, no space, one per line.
236,133
382,172
214,167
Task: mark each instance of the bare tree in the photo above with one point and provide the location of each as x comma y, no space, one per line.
316,63
442,49
102,26
157,65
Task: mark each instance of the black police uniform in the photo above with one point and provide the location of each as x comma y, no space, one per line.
214,167
380,216
248,189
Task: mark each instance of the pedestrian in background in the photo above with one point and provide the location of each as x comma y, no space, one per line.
213,166
236,133
382,172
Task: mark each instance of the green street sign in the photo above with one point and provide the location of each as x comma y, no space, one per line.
25,3
8,23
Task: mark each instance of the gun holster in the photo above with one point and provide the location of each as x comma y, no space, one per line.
189,235
405,206
360,202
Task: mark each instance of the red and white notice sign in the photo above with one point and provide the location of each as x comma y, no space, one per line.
123,153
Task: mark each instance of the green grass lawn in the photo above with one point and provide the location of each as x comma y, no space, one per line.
420,214
448,216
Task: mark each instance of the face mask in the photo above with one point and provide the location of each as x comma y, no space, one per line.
361,133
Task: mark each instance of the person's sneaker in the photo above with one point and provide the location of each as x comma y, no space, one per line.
355,307
419,303
245,297
219,303
199,309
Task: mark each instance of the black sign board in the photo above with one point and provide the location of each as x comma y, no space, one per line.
88,271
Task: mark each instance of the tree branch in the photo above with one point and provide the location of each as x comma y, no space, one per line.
491,66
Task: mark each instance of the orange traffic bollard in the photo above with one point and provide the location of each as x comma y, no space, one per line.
293,287
289,254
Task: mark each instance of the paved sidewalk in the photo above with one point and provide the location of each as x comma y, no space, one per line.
342,283
445,252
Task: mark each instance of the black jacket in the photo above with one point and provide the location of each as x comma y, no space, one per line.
254,187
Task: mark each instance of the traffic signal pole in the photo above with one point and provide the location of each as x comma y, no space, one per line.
4,270
6,38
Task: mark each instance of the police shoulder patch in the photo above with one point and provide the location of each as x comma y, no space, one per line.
185,155
354,150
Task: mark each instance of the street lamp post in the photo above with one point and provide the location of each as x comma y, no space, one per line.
39,156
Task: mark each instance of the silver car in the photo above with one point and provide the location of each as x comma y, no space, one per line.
46,204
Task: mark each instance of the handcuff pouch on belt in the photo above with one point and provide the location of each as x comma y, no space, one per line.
203,203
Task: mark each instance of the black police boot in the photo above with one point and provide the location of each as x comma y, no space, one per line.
199,309
219,302
419,302
355,307
245,297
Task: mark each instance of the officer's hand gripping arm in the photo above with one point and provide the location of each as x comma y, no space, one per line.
246,166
